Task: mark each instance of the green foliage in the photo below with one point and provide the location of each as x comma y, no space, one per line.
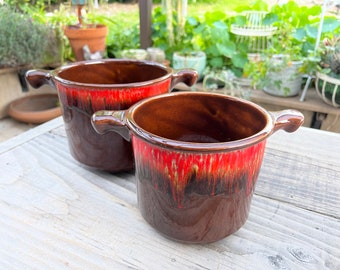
207,28
161,35
121,37
23,6
23,41
330,56
296,37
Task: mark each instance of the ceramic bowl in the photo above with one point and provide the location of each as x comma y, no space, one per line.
198,156
110,84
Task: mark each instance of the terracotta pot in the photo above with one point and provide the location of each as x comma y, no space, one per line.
198,156
92,35
35,109
111,84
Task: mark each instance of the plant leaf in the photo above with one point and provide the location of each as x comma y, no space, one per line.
227,49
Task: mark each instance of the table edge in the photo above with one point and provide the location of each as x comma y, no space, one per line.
30,134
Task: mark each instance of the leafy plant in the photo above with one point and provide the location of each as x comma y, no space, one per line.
23,41
56,20
173,41
328,78
330,56
209,34
122,37
295,39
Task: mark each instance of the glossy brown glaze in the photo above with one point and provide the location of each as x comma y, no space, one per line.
202,219
200,119
198,157
111,84
194,197
115,73
197,195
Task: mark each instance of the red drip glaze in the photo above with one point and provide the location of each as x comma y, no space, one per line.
110,151
177,169
197,159
86,87
179,191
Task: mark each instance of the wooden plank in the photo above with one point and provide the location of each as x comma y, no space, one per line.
56,214
306,177
309,142
11,89
308,115
32,133
331,123
312,102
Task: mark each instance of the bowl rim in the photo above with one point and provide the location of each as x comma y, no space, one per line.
55,74
261,135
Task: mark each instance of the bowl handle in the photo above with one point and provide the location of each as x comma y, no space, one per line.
38,78
108,121
288,120
187,76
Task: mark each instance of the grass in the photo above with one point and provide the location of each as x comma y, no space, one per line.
128,14
124,33
198,9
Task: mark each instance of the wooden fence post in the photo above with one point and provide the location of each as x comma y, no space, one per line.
145,21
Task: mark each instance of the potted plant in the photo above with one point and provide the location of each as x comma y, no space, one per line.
86,38
24,43
280,68
194,59
176,35
292,44
328,75
283,76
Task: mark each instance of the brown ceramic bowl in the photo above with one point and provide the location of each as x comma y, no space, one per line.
110,84
198,156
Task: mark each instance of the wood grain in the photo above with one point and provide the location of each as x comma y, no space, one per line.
57,214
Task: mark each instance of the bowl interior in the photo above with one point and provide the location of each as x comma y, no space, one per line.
112,72
200,118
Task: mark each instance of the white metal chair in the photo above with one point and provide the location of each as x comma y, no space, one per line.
254,32
325,6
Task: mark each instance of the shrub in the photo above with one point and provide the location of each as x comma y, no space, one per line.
22,40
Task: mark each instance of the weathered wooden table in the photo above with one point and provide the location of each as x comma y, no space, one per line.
57,214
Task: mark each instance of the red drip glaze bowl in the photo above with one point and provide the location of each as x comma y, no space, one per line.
198,157
109,84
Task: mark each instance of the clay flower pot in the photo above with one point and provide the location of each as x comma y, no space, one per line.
35,109
94,36
198,156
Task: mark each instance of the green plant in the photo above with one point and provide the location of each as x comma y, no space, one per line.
330,56
122,37
223,52
328,82
295,40
208,33
23,41
173,39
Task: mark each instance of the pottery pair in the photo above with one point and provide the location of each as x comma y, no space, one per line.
196,155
